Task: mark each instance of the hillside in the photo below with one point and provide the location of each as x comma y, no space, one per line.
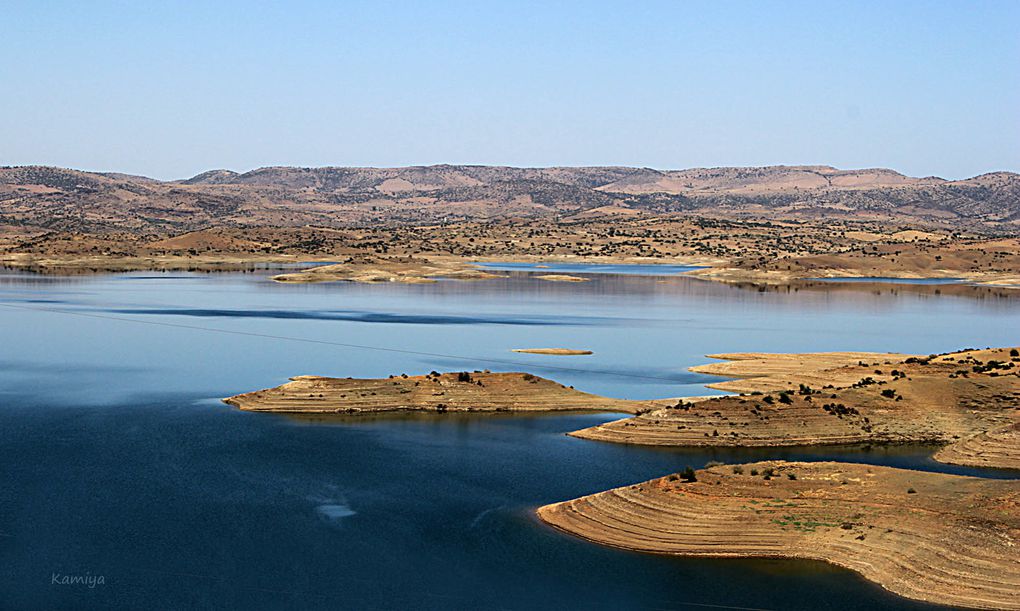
71,200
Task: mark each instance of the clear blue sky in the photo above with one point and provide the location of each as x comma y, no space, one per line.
169,89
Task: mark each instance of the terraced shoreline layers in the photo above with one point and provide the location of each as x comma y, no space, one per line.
969,401
995,448
435,392
939,538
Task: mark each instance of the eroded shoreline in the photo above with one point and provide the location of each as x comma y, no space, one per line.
939,538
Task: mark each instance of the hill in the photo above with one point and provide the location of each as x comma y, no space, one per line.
71,200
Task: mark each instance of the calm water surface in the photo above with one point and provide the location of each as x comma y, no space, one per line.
119,461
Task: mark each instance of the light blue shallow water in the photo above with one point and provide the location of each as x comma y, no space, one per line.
118,459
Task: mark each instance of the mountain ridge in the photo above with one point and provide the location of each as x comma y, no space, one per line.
69,199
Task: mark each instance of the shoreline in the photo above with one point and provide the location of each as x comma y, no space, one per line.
858,524
426,267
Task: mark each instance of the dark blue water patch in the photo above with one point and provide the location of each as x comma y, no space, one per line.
634,269
890,280
371,317
21,367
195,505
181,501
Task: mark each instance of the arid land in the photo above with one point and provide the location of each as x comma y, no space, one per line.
479,391
940,538
763,225
967,401
945,539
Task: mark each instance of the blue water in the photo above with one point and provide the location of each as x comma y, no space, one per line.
119,460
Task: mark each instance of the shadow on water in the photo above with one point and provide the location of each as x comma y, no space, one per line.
116,461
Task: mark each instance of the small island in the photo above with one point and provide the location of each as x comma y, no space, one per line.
553,351
478,391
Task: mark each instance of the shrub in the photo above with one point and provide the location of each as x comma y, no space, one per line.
791,476
738,470
688,475
911,491
888,393
1014,352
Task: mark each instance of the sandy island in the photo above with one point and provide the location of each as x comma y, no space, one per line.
939,538
407,270
562,278
436,392
553,351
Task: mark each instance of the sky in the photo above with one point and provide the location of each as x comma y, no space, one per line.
170,89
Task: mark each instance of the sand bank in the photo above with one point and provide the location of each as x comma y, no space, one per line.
562,278
553,351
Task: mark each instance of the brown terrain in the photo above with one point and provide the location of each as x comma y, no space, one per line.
945,539
969,401
553,351
71,200
479,391
761,225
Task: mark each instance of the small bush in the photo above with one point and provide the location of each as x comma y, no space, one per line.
911,491
738,470
688,475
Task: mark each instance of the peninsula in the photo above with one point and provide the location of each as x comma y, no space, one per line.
939,538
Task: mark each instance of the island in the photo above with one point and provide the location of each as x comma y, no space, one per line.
478,391
553,351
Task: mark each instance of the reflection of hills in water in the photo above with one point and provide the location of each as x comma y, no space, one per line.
524,286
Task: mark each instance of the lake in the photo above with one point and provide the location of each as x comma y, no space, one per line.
119,461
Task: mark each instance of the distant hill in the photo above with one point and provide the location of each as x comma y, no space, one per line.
56,198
